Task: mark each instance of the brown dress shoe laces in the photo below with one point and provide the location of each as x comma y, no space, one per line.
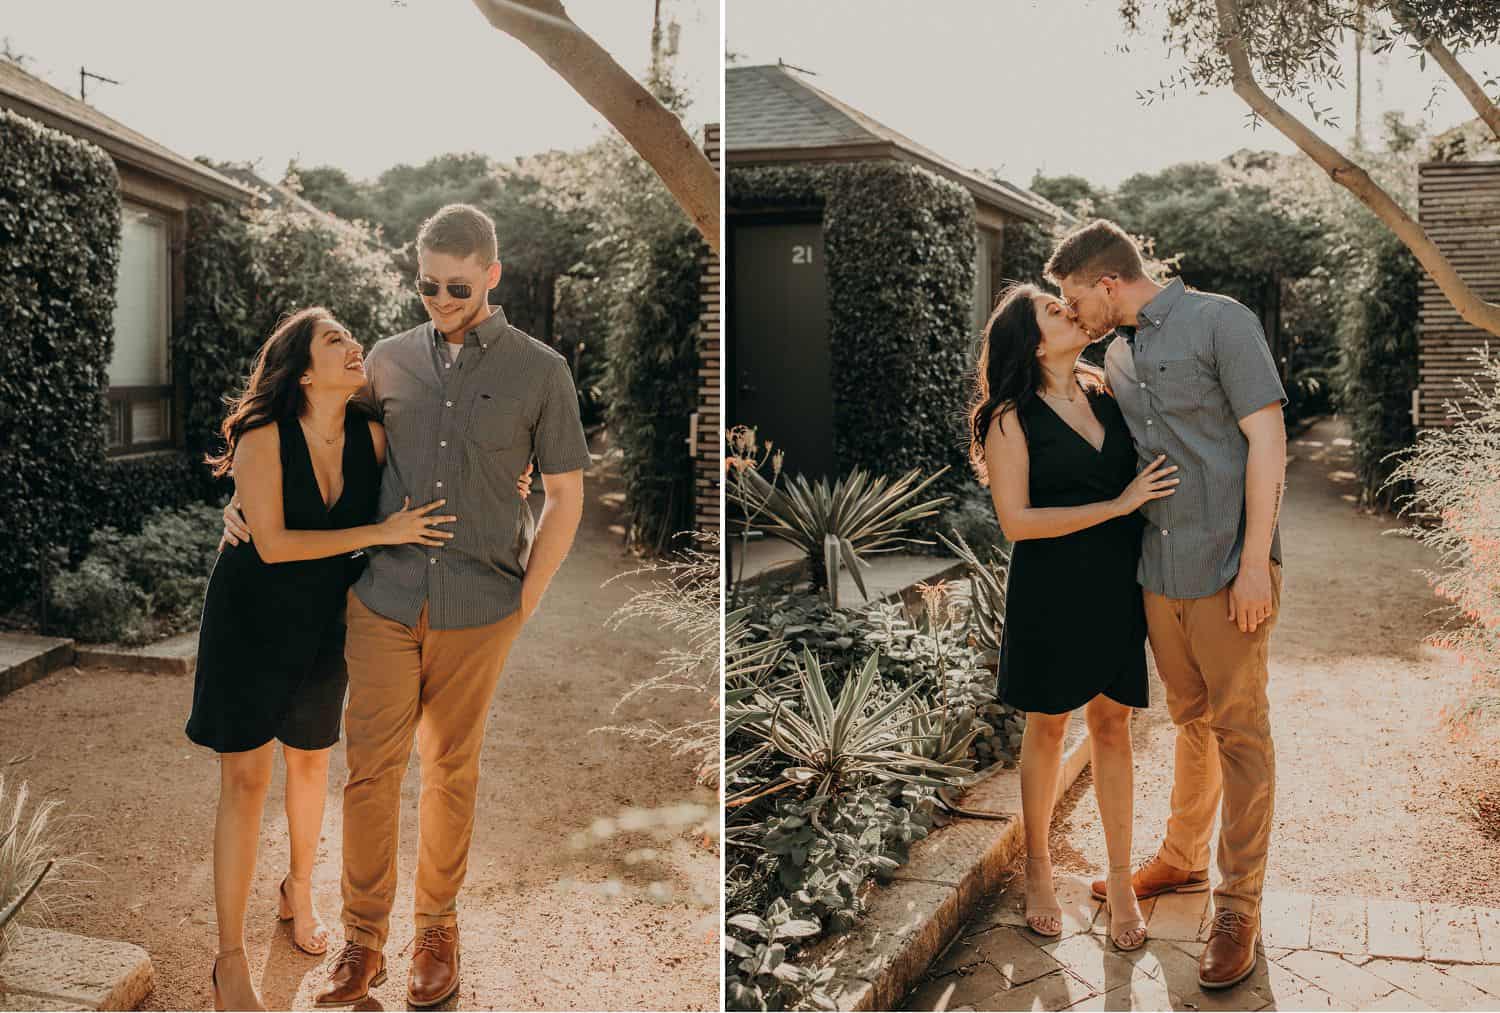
433,939
1234,924
348,956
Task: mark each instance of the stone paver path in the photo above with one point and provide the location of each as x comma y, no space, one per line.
1333,953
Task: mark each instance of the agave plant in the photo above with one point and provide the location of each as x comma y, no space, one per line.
838,743
986,591
862,514
26,855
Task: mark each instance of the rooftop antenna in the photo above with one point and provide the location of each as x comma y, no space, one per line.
83,82
801,70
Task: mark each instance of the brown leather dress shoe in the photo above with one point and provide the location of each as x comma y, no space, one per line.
1229,956
1156,877
355,971
434,966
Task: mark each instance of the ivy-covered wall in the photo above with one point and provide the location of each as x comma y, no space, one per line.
899,248
59,233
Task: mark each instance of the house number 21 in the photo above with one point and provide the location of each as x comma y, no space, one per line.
802,255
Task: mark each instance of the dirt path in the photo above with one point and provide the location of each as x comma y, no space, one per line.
1372,797
110,746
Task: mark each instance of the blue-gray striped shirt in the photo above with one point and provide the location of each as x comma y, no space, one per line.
1193,367
464,431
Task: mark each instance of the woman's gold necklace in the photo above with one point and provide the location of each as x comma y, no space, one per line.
308,428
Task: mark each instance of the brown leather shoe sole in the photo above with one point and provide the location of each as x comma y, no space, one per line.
1191,886
457,966
1241,976
375,982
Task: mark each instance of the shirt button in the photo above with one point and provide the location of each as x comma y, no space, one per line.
484,346
442,443
1148,422
1143,385
433,559
1164,532
448,404
447,365
440,485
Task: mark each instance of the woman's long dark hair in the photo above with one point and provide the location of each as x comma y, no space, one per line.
273,391
1009,374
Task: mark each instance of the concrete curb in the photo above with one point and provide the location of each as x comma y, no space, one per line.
174,656
47,970
910,920
25,658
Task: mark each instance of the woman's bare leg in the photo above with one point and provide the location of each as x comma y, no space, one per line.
306,793
1041,761
1114,787
243,780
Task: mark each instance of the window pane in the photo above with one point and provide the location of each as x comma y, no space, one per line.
149,421
141,302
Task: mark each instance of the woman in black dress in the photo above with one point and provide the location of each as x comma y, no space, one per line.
1050,442
306,464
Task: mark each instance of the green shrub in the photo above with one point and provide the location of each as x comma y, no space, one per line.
899,249
60,232
96,603
972,515
651,385
136,587
1378,360
135,487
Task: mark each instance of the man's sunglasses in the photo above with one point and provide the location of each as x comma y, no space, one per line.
432,288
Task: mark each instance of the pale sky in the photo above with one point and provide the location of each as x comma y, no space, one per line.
1022,85
360,84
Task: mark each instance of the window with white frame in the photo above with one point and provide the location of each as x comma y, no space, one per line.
140,379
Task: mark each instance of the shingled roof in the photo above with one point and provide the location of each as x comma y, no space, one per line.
773,115
36,99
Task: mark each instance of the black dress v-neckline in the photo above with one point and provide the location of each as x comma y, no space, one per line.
1099,450
328,508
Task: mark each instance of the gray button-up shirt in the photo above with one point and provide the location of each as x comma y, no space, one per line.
1195,365
464,431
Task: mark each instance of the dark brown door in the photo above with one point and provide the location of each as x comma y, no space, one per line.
780,377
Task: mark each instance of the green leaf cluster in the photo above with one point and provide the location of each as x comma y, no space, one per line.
59,241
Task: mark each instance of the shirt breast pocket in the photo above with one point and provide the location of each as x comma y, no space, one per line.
496,422
1181,385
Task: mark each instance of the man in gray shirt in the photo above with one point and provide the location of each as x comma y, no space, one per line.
1195,380
466,401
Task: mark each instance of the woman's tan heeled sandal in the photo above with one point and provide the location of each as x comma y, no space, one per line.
1131,934
1044,921
284,913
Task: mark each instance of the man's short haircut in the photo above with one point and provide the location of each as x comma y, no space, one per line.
1091,251
461,230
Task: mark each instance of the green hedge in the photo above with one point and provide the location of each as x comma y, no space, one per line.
652,386
59,242
132,488
899,245
1377,362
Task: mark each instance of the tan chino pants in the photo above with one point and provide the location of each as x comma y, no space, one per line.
1215,679
433,686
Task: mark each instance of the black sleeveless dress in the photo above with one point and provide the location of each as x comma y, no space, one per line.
271,644
1075,622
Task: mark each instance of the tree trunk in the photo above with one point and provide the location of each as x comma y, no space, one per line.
543,26
1473,309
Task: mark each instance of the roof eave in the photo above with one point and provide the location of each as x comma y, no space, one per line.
977,186
203,181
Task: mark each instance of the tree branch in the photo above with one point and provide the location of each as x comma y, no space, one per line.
1473,309
1443,56
543,27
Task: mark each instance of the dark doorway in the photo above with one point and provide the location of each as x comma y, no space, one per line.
780,375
